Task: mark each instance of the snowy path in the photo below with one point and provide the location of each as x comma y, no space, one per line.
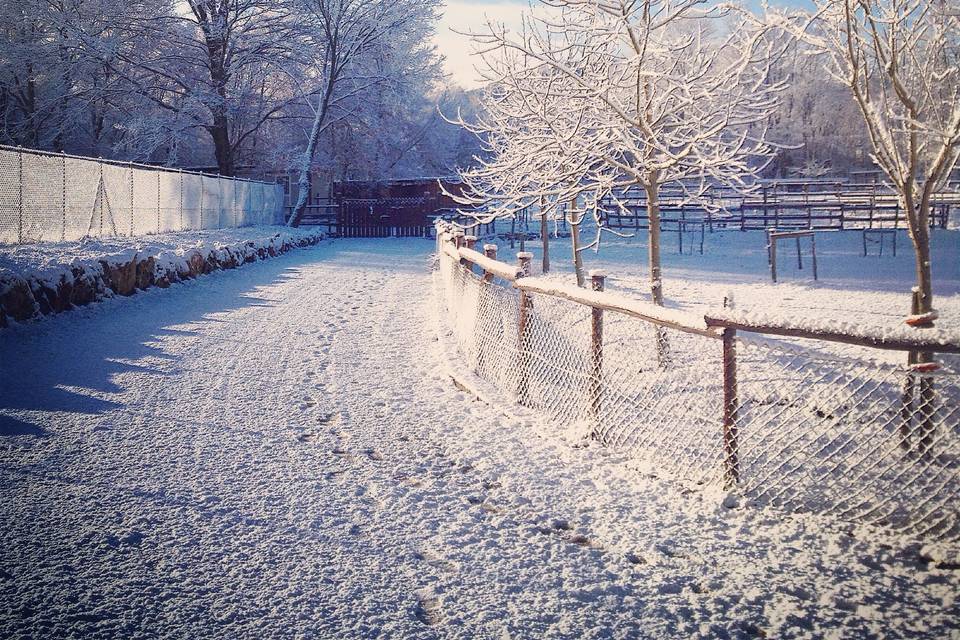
275,451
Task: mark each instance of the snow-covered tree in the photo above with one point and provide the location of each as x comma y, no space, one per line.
674,95
900,59
537,127
818,124
358,46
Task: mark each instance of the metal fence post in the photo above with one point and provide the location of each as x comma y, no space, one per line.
158,202
201,201
180,225
101,194
731,455
523,332
20,199
63,197
490,251
130,167
219,201
597,278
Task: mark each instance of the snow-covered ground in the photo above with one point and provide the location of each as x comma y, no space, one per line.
873,289
278,451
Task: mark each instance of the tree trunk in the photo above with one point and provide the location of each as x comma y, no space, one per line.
303,184
545,236
653,217
319,123
577,260
575,238
222,149
918,226
920,235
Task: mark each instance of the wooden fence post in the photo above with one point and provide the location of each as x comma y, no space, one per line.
731,455
523,333
489,250
597,277
772,251
813,253
469,242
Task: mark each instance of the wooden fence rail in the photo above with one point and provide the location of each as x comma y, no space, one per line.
720,326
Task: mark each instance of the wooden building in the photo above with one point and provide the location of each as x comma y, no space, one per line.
391,207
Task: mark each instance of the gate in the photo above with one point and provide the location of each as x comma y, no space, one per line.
385,217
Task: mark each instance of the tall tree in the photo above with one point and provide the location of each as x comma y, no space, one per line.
359,46
672,100
900,59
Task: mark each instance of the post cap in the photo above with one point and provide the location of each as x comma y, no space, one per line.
524,255
470,238
489,247
597,273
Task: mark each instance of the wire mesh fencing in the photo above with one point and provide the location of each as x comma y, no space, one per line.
55,197
850,433
803,425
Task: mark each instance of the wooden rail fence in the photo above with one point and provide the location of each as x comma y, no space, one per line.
452,243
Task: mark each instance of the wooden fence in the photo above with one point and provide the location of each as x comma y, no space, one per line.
919,419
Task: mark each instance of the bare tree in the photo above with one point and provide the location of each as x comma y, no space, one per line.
538,128
214,66
900,59
358,45
671,101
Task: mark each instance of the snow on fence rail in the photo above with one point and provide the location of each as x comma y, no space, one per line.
54,196
821,419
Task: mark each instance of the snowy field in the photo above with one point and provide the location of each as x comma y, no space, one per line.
277,451
872,290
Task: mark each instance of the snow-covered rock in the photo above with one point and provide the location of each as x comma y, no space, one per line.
49,278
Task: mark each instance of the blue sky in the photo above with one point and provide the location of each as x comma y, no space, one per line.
471,15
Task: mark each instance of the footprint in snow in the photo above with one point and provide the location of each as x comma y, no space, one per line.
428,610
561,525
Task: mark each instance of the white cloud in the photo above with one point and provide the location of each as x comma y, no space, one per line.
458,49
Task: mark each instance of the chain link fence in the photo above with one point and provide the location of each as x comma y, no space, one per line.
804,425
54,197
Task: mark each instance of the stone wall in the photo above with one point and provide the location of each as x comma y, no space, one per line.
25,297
